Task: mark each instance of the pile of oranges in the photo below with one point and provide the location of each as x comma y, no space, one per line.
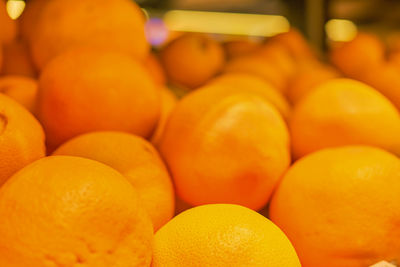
201,153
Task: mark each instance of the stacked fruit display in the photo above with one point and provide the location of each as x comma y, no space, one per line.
202,153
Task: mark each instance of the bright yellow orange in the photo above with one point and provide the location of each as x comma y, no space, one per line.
17,59
66,24
153,65
295,44
192,59
21,138
168,103
222,235
230,149
137,160
260,67
344,112
22,89
240,47
8,27
70,211
307,79
88,90
233,83
340,207
352,57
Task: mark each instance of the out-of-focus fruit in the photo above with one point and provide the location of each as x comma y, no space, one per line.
70,211
137,160
17,59
22,89
28,20
230,149
233,83
242,47
21,138
341,207
353,57
344,112
88,90
8,27
66,24
153,65
222,235
192,59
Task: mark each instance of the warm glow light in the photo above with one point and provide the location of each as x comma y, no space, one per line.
15,8
340,30
226,23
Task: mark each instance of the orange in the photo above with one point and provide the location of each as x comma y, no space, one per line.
352,57
66,24
70,211
295,44
28,20
341,207
233,83
8,28
344,112
22,89
168,103
386,79
17,60
153,65
240,47
394,59
137,160
88,90
260,67
21,138
222,235
225,149
307,79
192,59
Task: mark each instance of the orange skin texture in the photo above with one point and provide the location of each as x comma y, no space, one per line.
17,59
20,88
214,157
295,44
70,211
352,57
307,80
28,20
222,235
240,47
153,65
192,59
137,160
386,79
64,25
231,83
168,103
341,207
260,67
21,138
8,29
344,112
88,90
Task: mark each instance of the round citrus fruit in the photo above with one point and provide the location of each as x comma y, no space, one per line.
87,90
241,47
137,160
341,207
155,69
222,235
230,149
22,89
21,138
192,59
344,112
70,211
66,24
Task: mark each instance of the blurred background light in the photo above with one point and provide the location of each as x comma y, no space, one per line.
156,31
15,8
340,30
226,23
